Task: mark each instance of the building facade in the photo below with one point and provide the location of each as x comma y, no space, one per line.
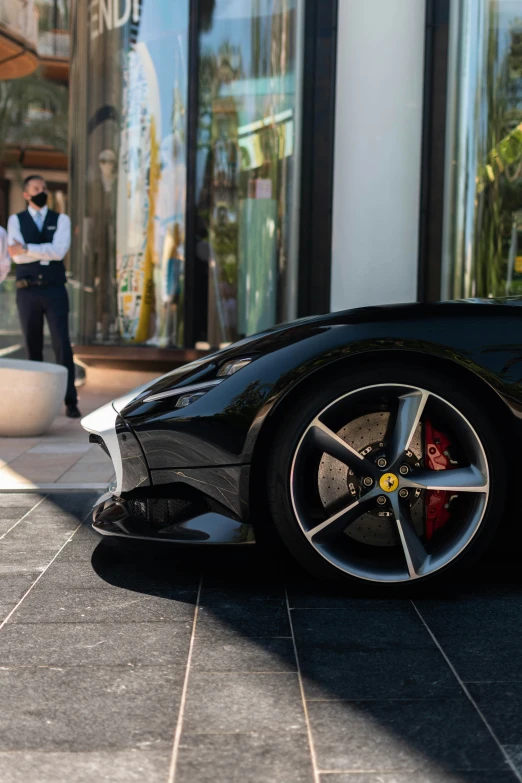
239,163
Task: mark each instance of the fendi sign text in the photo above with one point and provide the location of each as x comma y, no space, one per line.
111,14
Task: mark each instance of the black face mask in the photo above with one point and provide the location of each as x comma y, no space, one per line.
40,200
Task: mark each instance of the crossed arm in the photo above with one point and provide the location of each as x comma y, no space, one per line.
49,251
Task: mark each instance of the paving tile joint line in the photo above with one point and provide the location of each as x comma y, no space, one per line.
40,575
311,746
468,695
179,725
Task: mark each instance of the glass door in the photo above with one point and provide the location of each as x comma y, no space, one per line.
247,167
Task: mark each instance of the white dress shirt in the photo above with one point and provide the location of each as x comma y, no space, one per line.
48,251
5,261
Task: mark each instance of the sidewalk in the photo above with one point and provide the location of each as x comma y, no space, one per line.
168,664
63,459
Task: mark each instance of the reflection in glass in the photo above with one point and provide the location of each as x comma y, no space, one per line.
53,27
247,173
52,15
483,192
131,215
33,122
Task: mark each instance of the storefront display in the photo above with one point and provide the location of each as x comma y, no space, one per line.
131,217
130,142
247,171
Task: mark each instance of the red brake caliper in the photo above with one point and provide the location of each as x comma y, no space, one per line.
436,500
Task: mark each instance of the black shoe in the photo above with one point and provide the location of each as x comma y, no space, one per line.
72,412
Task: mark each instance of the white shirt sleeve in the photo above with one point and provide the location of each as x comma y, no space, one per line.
5,261
55,250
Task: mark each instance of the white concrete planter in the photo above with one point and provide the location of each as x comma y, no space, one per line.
31,395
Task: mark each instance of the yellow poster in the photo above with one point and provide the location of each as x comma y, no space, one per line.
138,178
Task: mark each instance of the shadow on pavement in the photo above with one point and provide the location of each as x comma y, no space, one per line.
381,696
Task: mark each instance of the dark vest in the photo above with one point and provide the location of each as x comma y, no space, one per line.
54,272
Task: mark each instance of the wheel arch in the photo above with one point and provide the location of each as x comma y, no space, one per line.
467,376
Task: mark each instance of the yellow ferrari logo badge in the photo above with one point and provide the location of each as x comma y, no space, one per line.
389,482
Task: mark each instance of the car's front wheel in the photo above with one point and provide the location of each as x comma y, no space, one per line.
389,476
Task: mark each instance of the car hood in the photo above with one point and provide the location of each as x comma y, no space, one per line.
272,339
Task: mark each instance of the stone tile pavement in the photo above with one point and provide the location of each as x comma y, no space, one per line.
172,665
62,456
63,459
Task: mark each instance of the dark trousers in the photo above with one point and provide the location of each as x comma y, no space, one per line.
52,301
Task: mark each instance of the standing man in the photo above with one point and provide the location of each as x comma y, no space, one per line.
38,239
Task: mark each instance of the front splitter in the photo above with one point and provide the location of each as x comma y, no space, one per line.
110,518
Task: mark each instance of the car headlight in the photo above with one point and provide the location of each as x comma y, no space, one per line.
231,367
193,392
188,399
189,394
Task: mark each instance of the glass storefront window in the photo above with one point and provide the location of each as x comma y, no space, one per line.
483,189
129,171
33,124
53,15
53,27
129,149
247,167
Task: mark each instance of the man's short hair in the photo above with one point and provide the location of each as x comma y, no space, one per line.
31,177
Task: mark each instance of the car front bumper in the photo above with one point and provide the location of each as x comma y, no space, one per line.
189,505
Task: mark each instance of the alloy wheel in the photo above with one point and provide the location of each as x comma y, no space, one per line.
374,495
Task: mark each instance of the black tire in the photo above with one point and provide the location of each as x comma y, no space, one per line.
316,397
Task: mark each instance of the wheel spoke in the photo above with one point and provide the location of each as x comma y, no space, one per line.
459,480
327,441
412,546
344,518
411,407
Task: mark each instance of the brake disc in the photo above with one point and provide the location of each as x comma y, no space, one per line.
337,484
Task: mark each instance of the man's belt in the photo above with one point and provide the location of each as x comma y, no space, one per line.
29,282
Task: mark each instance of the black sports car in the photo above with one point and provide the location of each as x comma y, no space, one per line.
375,442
